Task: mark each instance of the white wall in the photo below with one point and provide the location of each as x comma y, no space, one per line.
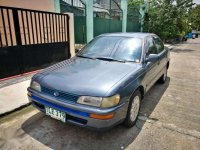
45,5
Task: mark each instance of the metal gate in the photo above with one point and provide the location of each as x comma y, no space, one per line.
102,25
133,19
31,39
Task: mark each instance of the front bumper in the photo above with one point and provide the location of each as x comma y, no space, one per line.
79,114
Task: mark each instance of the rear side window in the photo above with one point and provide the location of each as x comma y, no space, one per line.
159,44
151,48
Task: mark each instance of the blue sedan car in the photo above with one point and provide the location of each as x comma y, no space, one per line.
104,83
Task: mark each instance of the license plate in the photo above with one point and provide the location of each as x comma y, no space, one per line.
59,115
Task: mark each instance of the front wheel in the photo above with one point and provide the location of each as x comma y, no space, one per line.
133,110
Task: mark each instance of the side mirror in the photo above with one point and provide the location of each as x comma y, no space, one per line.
77,50
152,58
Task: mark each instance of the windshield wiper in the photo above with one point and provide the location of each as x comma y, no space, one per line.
105,58
110,59
82,56
132,61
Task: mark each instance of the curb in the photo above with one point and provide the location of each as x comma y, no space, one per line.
19,75
15,109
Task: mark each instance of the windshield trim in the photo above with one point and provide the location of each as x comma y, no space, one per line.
115,48
129,37
82,56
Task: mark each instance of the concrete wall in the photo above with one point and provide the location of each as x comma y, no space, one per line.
45,5
71,32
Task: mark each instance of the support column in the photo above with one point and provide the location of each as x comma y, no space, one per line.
89,20
57,6
142,13
124,5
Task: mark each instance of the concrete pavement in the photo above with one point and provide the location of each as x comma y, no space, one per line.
169,117
170,46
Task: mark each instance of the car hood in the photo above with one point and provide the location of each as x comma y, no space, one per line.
84,76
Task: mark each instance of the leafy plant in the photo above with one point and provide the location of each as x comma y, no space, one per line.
167,18
195,17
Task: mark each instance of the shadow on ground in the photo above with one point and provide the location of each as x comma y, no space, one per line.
57,135
182,50
192,43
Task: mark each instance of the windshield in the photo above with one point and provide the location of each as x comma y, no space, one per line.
117,48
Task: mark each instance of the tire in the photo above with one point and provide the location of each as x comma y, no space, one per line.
163,77
133,110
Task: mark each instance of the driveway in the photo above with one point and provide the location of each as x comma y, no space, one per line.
169,117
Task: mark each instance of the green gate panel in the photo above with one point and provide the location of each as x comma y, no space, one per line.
80,29
115,25
102,25
133,26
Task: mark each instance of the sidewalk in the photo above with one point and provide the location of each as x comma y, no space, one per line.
13,94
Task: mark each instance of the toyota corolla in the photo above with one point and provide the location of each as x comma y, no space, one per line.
102,85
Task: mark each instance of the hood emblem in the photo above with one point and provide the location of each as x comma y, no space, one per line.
56,94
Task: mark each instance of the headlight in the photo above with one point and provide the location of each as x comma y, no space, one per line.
92,101
99,101
36,86
110,101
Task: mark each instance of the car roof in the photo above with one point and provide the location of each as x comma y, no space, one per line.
130,34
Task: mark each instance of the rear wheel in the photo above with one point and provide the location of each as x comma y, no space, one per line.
133,110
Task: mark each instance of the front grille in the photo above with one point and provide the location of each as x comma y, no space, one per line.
67,97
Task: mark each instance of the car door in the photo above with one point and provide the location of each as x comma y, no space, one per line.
162,54
151,67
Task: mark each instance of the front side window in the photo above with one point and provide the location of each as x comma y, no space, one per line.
151,48
159,44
